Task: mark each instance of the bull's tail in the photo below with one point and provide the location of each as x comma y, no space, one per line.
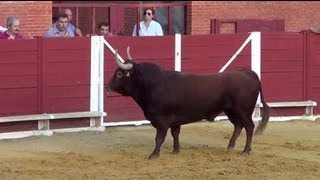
265,114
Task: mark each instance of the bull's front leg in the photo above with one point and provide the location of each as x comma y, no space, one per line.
160,137
175,131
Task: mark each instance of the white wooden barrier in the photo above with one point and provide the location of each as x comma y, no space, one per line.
44,123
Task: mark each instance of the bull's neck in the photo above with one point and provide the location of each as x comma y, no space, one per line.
140,95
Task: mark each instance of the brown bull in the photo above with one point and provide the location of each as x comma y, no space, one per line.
170,99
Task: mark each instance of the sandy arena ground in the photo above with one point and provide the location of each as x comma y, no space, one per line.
287,150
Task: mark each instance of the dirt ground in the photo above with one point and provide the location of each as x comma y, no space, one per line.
287,150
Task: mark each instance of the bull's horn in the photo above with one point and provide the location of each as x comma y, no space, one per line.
120,64
128,53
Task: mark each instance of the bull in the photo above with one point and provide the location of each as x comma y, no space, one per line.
170,99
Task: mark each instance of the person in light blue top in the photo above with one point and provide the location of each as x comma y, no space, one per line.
60,27
71,27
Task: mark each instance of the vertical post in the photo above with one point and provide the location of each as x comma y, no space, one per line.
93,20
94,77
101,78
177,54
43,124
256,64
170,20
40,76
77,17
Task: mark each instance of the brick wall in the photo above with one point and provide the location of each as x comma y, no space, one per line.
298,15
130,18
35,16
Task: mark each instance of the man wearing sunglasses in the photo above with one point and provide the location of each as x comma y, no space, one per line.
148,27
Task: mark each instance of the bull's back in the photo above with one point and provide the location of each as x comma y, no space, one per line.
197,97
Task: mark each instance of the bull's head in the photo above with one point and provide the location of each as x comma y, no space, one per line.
121,80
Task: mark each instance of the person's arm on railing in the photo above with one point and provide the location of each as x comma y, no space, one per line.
315,30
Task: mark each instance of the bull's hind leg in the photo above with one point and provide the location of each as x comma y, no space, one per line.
160,137
236,131
249,126
175,131
235,135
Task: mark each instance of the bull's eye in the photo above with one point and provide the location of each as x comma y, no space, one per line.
119,74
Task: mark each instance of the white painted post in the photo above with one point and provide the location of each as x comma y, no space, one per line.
94,76
256,53
101,78
96,79
43,124
256,64
177,54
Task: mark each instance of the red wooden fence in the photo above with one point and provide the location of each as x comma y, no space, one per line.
53,75
44,75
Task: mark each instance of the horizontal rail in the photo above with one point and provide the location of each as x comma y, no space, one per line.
117,4
291,104
37,117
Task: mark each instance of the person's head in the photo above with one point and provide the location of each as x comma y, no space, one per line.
103,28
13,25
62,21
148,14
69,13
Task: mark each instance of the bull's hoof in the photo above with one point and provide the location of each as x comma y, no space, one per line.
230,148
245,153
153,156
175,151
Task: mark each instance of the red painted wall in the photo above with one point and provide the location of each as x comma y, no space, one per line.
159,50
313,68
44,75
19,72
65,74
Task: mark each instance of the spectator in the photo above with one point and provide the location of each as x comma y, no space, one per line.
2,29
148,27
13,27
70,26
315,30
60,29
104,29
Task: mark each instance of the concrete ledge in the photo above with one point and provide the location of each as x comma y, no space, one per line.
24,134
291,104
36,117
218,118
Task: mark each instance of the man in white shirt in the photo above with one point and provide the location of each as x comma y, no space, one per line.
148,27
